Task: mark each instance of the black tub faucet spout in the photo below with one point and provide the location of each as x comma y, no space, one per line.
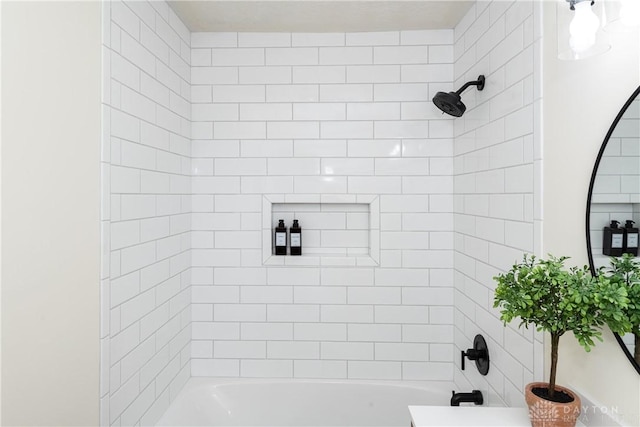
474,397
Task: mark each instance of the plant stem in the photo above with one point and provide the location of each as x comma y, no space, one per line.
636,347
555,339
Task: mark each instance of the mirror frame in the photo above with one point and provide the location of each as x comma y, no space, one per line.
623,110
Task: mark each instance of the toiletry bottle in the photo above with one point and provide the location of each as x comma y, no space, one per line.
281,238
613,240
630,238
296,238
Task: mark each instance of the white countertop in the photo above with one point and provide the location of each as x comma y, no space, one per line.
443,416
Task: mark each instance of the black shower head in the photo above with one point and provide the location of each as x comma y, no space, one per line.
451,103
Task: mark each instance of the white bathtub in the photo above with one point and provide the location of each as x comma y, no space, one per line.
244,402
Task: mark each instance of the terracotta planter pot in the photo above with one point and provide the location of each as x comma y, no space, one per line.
546,413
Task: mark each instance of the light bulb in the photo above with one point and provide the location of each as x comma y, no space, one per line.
583,28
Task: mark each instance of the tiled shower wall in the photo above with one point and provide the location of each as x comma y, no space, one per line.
322,119
497,168
146,211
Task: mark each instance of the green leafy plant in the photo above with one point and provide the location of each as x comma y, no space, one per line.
626,270
558,300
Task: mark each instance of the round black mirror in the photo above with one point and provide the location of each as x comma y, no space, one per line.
614,195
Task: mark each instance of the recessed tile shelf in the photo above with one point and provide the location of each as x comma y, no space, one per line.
337,230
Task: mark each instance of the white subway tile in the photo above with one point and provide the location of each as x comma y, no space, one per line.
402,351
373,38
124,71
429,37
347,166
266,368
402,314
321,184
320,148
293,350
264,39
427,371
293,130
294,166
373,74
401,92
427,73
202,349
292,56
319,74
214,75
238,240
346,351
347,276
154,44
214,39
375,185
375,369
292,93
240,166
320,295
215,257
442,54
136,53
267,185
427,333
266,148
266,331
346,129
214,112
125,126
265,75
293,276
239,313
346,93
320,369
427,185
217,148
346,314
427,148
293,313
266,294
265,112
318,39
375,148
324,111
375,333
346,55
373,111
239,350
405,240
200,94
237,57
400,55
125,233
238,93
374,295
215,367
242,130
200,58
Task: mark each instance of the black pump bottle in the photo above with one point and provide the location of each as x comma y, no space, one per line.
630,238
281,238
613,239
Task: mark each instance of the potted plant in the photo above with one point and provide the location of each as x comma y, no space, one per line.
559,300
626,269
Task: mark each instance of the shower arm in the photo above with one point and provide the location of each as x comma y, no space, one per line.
479,83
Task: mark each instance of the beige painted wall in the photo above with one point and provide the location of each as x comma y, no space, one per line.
51,80
581,99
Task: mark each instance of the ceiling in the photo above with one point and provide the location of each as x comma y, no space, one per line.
319,16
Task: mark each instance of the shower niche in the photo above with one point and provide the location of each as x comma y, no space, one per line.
337,230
